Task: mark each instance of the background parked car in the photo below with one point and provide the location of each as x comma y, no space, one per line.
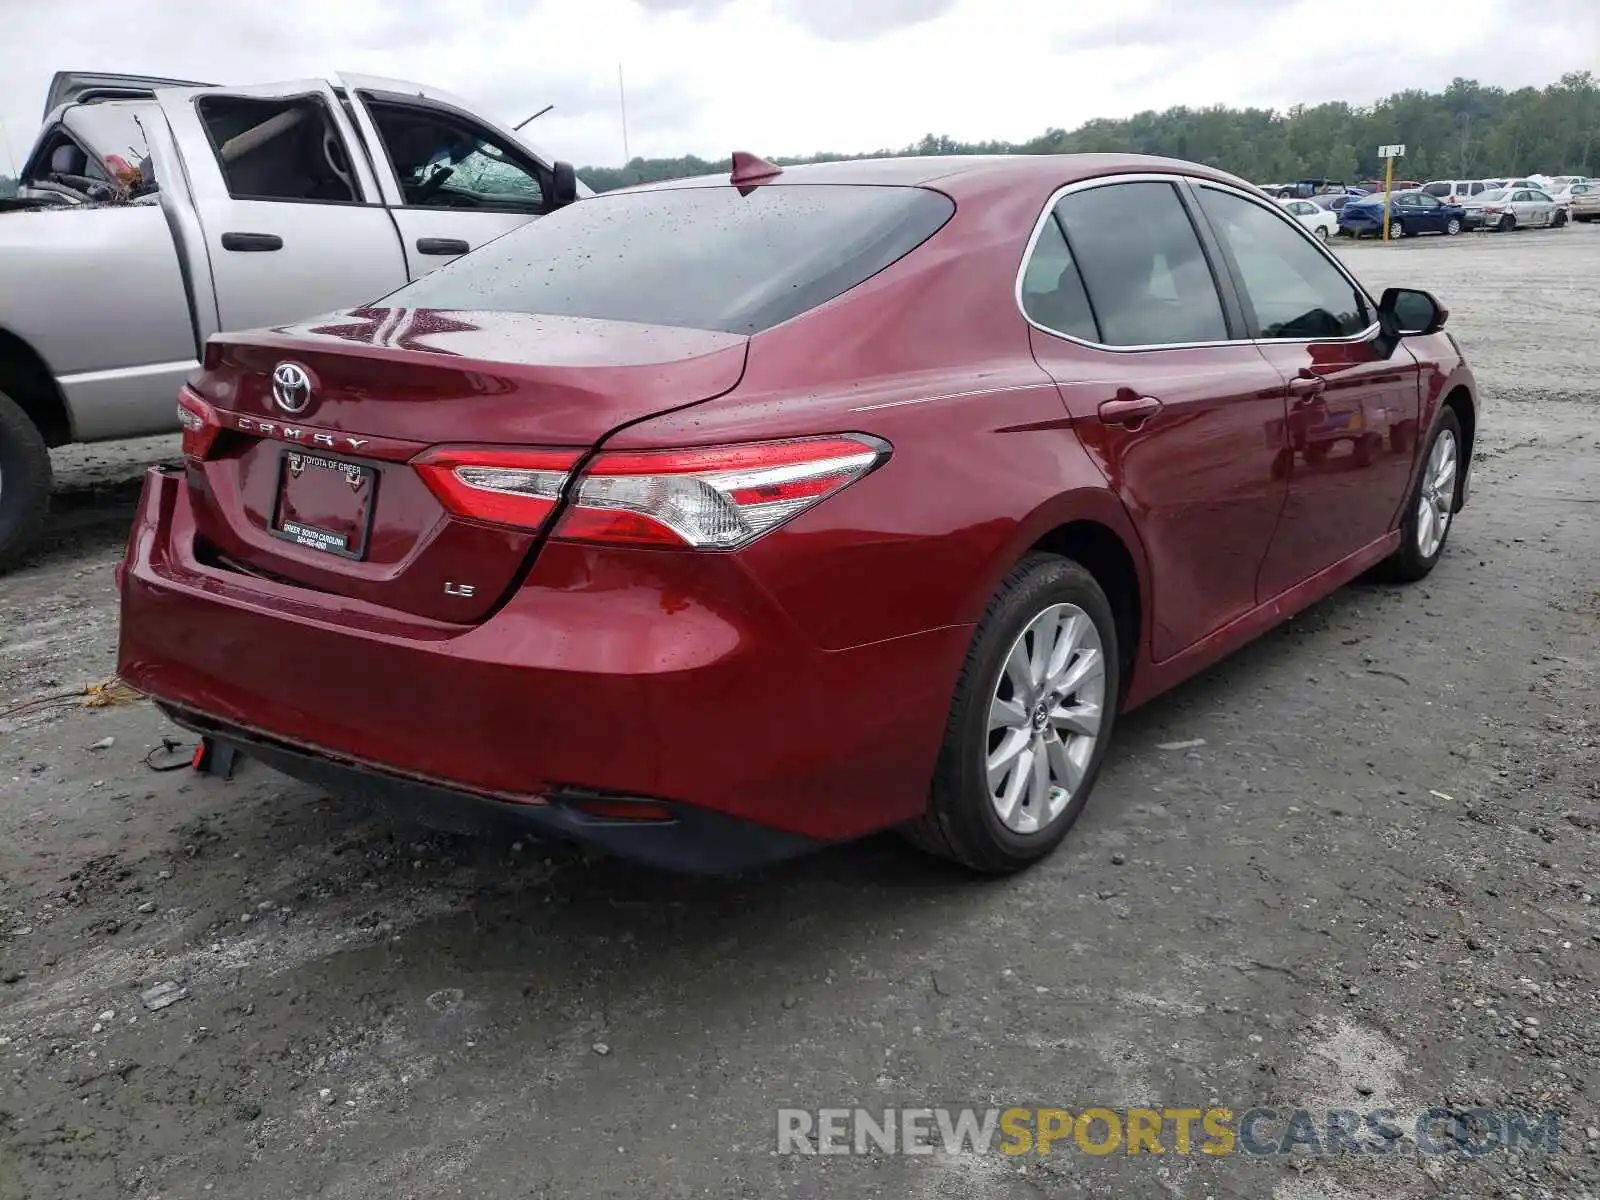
1455,191
1410,213
1505,209
1581,201
1335,203
1320,221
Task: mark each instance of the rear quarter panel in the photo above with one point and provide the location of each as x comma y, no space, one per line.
932,355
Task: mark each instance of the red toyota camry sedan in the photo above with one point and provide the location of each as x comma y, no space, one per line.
711,521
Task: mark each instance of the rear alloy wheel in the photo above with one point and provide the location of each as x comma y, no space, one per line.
24,482
1452,226
1029,723
1397,230
1432,505
1508,222
1322,233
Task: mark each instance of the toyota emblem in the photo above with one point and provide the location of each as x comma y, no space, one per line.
291,387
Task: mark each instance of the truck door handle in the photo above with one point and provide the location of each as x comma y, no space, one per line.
251,241
1131,411
1307,384
442,246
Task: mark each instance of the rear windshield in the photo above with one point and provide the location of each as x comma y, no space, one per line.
700,258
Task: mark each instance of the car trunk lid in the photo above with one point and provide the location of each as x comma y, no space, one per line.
323,494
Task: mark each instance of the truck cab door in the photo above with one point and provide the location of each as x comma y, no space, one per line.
451,178
288,209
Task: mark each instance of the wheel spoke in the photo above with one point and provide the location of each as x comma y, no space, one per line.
1018,671
1444,465
1069,636
1006,714
1081,719
1425,523
1045,631
1005,756
1068,774
1039,784
1087,669
1009,800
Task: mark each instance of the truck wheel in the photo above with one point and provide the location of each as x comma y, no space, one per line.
24,482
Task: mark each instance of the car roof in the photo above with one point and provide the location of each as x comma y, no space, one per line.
964,170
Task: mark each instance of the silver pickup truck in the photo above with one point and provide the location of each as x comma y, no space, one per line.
153,213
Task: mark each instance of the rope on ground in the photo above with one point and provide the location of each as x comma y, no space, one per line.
105,694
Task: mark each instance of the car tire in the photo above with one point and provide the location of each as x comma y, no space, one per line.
1507,222
1322,233
1452,227
1421,544
964,821
1560,219
1397,230
24,482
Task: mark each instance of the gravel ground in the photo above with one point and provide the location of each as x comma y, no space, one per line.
1369,885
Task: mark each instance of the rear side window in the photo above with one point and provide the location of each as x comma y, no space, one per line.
1294,291
278,149
698,258
1052,289
1147,278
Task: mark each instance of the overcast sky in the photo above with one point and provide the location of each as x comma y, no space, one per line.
797,76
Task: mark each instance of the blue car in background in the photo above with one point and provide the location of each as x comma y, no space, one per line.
1410,213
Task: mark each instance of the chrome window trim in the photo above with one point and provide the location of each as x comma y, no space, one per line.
1196,181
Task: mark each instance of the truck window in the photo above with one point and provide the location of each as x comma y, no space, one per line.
445,161
62,161
286,149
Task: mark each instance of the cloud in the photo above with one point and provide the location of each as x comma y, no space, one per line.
796,76
834,20
1185,24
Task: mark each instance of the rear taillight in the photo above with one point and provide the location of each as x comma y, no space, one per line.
505,487
200,424
711,498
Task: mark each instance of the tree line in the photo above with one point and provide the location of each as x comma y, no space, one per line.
1466,131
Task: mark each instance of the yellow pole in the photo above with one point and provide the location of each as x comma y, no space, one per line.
1388,183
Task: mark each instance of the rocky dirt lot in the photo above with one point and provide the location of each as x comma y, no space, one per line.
1368,880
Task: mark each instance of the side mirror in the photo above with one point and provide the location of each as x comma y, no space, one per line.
1407,312
563,185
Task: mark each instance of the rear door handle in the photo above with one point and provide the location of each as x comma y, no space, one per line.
1307,384
442,246
1132,411
246,242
